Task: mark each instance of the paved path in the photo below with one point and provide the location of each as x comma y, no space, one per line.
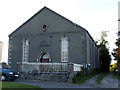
107,82
91,82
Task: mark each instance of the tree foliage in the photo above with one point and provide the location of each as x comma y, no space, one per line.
115,51
113,67
105,57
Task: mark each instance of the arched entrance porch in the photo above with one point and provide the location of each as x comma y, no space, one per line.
44,57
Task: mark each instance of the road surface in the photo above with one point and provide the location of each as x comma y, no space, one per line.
107,82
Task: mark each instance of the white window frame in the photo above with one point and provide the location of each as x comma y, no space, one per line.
64,49
25,50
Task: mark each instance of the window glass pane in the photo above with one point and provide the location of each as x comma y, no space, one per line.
64,49
25,50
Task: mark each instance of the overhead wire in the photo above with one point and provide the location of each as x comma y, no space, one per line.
107,31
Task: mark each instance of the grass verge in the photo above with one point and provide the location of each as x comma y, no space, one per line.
100,77
81,77
16,85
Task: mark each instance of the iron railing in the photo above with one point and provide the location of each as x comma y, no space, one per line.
46,67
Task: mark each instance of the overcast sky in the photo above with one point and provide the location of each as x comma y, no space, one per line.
93,15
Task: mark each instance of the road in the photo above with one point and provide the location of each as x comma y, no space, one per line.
107,82
45,84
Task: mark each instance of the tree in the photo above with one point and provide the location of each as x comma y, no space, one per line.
105,57
116,53
116,50
113,67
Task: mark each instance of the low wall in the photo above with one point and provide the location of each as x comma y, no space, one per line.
46,77
54,76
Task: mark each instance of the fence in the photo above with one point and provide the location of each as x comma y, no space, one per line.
47,67
77,67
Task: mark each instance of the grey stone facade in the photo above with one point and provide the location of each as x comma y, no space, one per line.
81,50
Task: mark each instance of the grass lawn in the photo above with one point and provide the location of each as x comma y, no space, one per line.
16,85
81,78
100,78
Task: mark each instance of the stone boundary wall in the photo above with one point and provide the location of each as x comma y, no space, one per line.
61,78
65,77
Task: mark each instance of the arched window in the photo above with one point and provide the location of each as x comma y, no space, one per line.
25,50
64,49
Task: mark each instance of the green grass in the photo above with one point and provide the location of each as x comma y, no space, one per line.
16,85
115,75
100,78
81,77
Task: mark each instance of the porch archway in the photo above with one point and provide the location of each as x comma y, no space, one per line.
44,57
